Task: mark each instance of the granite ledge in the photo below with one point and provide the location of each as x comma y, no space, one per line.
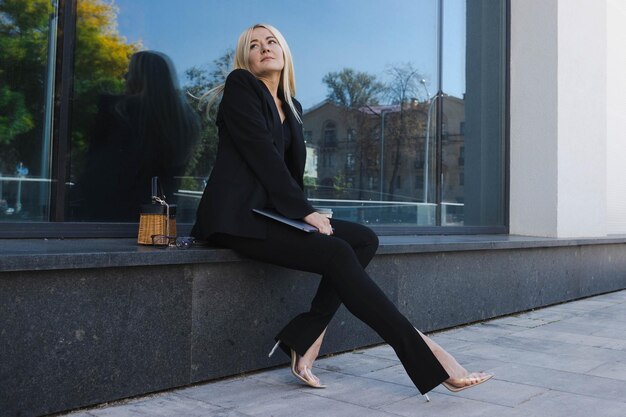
55,254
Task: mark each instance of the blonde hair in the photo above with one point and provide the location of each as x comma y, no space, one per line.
242,52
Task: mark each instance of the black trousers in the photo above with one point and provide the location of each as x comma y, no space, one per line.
341,260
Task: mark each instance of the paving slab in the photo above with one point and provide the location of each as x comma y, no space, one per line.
303,404
367,392
509,394
562,404
442,405
481,332
564,360
568,382
231,393
612,370
516,341
355,363
394,375
507,353
522,321
159,405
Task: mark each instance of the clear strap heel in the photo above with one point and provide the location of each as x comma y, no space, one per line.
274,349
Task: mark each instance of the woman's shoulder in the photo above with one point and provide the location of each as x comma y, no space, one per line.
241,84
241,76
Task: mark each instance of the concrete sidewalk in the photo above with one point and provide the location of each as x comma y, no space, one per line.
566,360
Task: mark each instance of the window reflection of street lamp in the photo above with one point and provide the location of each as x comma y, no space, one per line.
423,82
21,172
431,101
381,114
382,150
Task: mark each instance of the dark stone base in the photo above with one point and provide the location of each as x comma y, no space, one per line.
72,338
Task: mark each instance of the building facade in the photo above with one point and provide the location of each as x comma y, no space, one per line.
495,125
473,119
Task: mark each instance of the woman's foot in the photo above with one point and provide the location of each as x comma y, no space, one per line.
303,372
460,378
301,366
468,381
304,364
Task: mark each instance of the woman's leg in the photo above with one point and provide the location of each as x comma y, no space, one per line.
305,331
335,259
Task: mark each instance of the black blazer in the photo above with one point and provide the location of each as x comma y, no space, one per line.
250,170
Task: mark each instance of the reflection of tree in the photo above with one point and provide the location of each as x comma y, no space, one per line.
402,89
101,59
200,80
23,48
383,140
352,90
402,118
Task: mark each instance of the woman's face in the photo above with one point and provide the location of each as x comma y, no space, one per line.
266,55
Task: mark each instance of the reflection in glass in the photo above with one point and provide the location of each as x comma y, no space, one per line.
484,155
149,130
388,142
452,163
382,180
27,29
382,126
362,154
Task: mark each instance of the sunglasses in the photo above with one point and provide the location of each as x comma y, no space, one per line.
180,242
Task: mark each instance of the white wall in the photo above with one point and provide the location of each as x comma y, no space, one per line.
582,118
533,120
558,118
616,116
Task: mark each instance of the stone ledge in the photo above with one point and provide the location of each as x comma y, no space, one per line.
77,337
56,254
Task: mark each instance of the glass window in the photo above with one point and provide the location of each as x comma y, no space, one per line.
473,85
411,137
27,34
330,135
485,116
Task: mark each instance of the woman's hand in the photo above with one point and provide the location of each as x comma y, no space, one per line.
322,223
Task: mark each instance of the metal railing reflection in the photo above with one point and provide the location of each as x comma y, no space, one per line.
19,180
376,211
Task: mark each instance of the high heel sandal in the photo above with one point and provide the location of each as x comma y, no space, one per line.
308,378
486,377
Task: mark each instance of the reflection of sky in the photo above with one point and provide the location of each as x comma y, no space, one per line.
324,35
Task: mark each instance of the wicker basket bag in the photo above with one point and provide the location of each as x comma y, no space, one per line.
157,221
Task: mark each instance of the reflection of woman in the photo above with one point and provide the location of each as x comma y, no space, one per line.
148,131
260,163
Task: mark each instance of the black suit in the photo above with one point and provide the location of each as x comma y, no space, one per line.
252,171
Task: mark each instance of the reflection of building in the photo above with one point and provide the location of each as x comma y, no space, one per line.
328,129
453,150
350,144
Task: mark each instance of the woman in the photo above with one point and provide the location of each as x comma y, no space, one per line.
260,164
148,131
